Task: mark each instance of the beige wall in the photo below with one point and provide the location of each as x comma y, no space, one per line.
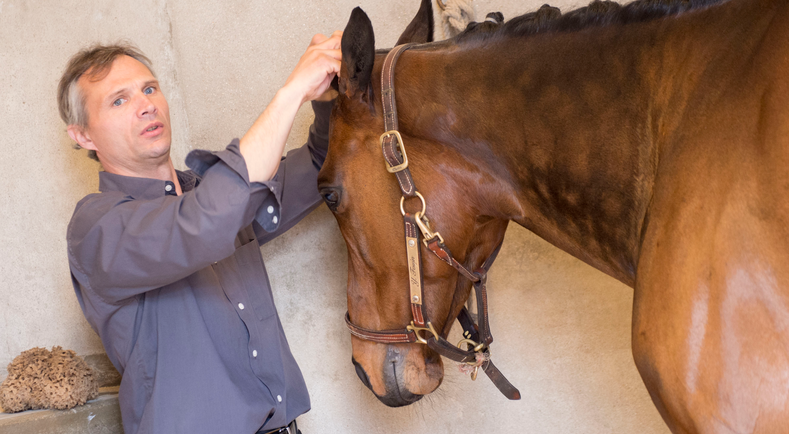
562,328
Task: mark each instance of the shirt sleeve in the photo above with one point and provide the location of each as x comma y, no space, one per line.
295,186
120,246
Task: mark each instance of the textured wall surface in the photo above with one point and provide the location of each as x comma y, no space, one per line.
562,328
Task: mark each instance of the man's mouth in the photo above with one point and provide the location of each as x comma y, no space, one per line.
153,128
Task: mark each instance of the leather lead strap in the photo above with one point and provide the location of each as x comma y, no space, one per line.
501,382
470,329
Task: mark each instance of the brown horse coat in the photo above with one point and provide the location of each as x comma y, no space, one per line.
650,143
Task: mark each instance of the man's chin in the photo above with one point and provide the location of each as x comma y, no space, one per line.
159,150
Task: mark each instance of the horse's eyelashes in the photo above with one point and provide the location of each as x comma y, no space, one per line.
331,197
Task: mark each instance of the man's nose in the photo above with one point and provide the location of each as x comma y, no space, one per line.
147,108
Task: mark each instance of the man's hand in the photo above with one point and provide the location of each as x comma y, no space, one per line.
317,67
262,145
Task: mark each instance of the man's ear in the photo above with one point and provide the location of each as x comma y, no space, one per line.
420,30
79,135
358,55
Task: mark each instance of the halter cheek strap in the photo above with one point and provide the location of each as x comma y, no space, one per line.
416,228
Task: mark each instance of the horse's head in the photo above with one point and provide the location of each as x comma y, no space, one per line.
365,199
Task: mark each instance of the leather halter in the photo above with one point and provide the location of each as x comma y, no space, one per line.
477,337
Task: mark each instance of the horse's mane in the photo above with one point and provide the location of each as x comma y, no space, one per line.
597,14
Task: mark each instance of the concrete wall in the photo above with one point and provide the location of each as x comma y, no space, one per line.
562,328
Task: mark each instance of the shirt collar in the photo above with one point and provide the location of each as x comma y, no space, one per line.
145,188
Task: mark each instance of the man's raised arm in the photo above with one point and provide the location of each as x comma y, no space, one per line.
263,144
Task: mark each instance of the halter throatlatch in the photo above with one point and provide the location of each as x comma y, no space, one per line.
477,337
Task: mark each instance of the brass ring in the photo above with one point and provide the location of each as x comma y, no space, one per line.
424,205
477,347
467,341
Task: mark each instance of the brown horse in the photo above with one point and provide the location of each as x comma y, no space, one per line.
649,140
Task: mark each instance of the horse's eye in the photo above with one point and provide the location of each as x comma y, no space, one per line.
331,197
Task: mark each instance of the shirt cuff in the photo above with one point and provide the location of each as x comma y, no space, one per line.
268,215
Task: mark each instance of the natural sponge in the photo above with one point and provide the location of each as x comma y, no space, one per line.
39,378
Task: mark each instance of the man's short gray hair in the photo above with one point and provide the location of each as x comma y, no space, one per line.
95,61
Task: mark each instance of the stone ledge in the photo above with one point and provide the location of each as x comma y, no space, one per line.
106,374
99,416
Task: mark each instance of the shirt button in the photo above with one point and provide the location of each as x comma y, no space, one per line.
279,398
274,220
241,306
168,187
270,209
255,353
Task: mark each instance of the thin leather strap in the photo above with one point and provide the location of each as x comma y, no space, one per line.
389,144
380,336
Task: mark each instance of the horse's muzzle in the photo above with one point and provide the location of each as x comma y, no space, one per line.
393,373
397,394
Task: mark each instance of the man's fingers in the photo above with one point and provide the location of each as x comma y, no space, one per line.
335,54
318,66
331,43
318,39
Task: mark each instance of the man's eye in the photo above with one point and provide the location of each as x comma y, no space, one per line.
149,90
118,102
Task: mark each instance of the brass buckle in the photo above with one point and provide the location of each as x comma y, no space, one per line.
416,330
402,166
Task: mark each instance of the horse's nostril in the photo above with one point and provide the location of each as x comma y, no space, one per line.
362,375
432,358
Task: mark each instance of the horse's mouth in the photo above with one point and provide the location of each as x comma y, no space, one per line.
399,398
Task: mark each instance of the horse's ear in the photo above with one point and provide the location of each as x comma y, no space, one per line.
358,55
421,28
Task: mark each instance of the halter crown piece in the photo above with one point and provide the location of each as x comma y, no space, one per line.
477,337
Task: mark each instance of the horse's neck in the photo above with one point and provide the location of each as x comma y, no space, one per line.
574,124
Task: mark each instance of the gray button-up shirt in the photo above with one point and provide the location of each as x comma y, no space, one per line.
176,288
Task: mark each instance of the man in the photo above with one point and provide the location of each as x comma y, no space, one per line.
166,264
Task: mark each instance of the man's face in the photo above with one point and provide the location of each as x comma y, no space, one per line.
128,118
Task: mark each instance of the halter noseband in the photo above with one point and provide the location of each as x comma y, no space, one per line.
477,338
